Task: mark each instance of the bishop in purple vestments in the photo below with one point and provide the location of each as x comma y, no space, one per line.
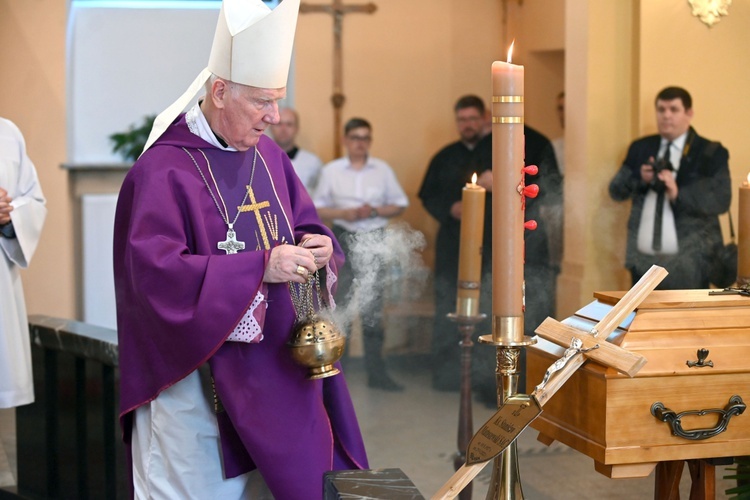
182,302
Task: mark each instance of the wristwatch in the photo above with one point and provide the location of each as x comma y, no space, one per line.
374,213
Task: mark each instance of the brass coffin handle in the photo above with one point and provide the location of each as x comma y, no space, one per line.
734,407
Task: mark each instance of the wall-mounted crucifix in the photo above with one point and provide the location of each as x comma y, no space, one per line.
337,9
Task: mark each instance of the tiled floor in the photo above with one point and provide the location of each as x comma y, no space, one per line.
415,430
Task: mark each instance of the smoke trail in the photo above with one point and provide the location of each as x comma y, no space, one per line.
384,262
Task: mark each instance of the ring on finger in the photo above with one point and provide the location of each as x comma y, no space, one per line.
301,271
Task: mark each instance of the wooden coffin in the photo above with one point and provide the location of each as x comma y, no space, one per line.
608,416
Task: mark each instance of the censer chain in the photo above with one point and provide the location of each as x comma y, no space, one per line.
302,296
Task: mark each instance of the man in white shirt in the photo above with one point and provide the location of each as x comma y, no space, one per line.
305,163
679,183
359,194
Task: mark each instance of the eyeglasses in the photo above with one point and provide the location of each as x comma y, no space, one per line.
359,138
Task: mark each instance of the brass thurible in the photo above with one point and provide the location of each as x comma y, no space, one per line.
317,344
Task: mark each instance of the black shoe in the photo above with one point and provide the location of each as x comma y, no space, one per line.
384,382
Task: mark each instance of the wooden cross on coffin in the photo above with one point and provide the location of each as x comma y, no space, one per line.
519,410
337,9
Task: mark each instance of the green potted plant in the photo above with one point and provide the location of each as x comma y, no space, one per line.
129,144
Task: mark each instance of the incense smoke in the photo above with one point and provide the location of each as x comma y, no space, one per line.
385,262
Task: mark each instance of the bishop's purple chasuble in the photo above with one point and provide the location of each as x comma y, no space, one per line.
179,297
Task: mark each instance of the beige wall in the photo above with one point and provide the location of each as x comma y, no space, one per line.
538,28
599,88
404,67
32,94
619,55
710,63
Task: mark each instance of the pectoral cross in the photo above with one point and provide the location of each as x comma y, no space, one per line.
254,206
338,10
231,245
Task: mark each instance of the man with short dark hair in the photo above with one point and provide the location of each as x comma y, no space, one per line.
448,172
679,184
359,193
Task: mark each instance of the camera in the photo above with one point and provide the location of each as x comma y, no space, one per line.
659,165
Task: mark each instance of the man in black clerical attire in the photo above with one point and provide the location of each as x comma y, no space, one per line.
448,172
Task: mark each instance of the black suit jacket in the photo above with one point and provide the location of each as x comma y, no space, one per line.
704,193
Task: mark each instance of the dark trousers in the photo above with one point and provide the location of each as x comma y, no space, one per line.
370,310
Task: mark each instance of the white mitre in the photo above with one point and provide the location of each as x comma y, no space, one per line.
252,46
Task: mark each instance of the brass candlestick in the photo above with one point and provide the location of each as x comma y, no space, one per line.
508,338
466,326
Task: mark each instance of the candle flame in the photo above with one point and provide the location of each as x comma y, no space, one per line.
748,178
474,178
510,51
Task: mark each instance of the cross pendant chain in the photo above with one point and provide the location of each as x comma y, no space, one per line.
231,245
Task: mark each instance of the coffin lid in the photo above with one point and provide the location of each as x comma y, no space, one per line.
670,326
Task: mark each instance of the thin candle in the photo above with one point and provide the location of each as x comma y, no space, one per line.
470,249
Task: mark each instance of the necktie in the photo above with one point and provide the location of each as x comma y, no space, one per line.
656,245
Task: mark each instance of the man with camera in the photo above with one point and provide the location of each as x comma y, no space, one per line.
679,183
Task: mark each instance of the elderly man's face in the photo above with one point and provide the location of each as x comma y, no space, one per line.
247,111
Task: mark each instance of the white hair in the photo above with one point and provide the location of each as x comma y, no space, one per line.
233,87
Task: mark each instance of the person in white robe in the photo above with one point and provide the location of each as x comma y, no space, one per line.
22,214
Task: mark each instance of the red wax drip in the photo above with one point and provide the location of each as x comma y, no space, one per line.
531,191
